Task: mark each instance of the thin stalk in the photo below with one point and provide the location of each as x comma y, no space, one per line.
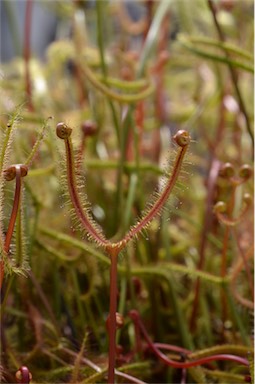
157,206
231,48
121,98
236,269
122,299
176,364
100,41
125,85
237,318
232,73
77,295
94,232
35,148
14,213
6,141
122,161
153,33
213,56
224,254
44,301
211,182
4,299
130,200
112,315
83,359
181,320
15,209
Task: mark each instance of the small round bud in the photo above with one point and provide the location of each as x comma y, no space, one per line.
89,128
245,172
63,131
220,207
10,172
23,169
247,198
227,170
182,138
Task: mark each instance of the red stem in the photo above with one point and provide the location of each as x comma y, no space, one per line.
28,19
15,209
161,200
96,235
112,315
204,360
13,217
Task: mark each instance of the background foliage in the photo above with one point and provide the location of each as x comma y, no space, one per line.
174,65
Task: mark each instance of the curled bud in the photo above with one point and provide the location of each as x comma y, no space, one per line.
182,138
220,207
23,375
89,128
63,131
245,172
227,170
10,172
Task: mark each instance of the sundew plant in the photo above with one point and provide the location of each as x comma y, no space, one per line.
126,191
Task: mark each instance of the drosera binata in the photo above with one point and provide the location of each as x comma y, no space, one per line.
94,231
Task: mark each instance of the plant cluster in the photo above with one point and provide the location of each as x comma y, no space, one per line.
114,267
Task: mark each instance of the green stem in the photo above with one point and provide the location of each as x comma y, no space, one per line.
215,57
35,148
121,98
181,321
100,42
77,296
123,85
152,36
221,44
237,317
112,316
